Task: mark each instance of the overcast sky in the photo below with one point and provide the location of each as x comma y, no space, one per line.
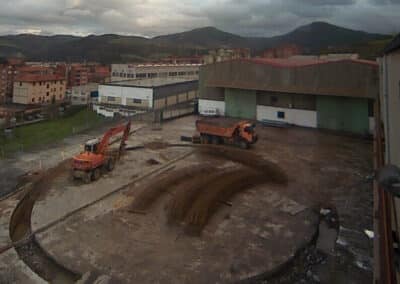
156,17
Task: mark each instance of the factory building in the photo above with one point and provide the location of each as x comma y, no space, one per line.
84,94
335,95
123,72
164,95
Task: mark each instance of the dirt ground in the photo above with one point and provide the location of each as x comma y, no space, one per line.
251,211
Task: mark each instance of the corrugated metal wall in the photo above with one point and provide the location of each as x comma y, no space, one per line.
344,114
240,103
342,78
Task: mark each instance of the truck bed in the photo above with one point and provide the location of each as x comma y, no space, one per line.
221,126
223,122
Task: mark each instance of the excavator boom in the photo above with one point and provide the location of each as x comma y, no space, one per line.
105,141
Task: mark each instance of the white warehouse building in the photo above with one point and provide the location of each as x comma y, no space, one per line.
156,94
123,72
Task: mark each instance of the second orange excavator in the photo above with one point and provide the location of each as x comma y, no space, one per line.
97,157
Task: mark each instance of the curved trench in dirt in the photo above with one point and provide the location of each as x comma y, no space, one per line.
29,250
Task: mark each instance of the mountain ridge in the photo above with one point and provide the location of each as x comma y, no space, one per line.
107,48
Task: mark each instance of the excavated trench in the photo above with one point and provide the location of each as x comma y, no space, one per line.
25,243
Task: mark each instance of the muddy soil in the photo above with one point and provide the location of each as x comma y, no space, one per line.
198,191
151,192
20,230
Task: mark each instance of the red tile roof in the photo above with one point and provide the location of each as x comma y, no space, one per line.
38,77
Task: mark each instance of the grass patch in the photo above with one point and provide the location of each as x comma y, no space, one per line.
47,132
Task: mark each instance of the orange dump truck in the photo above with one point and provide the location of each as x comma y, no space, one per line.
226,131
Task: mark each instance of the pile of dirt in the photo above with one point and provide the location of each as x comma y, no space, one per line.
248,159
152,191
200,190
188,191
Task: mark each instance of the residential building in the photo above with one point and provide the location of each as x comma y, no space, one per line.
84,94
77,75
39,89
183,60
328,57
152,94
98,73
123,72
224,54
337,95
283,51
8,70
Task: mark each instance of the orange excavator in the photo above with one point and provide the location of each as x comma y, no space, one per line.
97,157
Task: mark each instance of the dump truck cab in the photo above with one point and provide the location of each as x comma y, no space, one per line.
247,132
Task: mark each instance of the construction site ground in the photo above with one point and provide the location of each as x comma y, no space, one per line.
201,214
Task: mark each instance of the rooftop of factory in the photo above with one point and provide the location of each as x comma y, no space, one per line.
151,82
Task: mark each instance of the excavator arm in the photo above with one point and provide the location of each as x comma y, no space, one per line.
105,141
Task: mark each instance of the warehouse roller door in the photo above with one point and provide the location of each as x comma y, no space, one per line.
240,103
343,113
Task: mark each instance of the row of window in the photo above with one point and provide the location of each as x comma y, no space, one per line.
48,85
42,99
154,75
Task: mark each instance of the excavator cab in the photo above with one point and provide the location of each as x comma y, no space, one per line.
92,145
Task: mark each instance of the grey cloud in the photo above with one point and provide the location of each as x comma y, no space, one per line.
155,17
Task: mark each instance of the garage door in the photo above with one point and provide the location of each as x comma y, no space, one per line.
342,113
240,103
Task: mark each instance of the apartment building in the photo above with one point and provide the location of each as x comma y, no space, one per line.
225,54
78,75
8,70
123,72
38,89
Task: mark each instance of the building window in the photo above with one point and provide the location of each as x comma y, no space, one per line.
34,83
48,86
47,93
141,75
172,74
281,114
33,100
182,73
20,84
137,101
111,99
